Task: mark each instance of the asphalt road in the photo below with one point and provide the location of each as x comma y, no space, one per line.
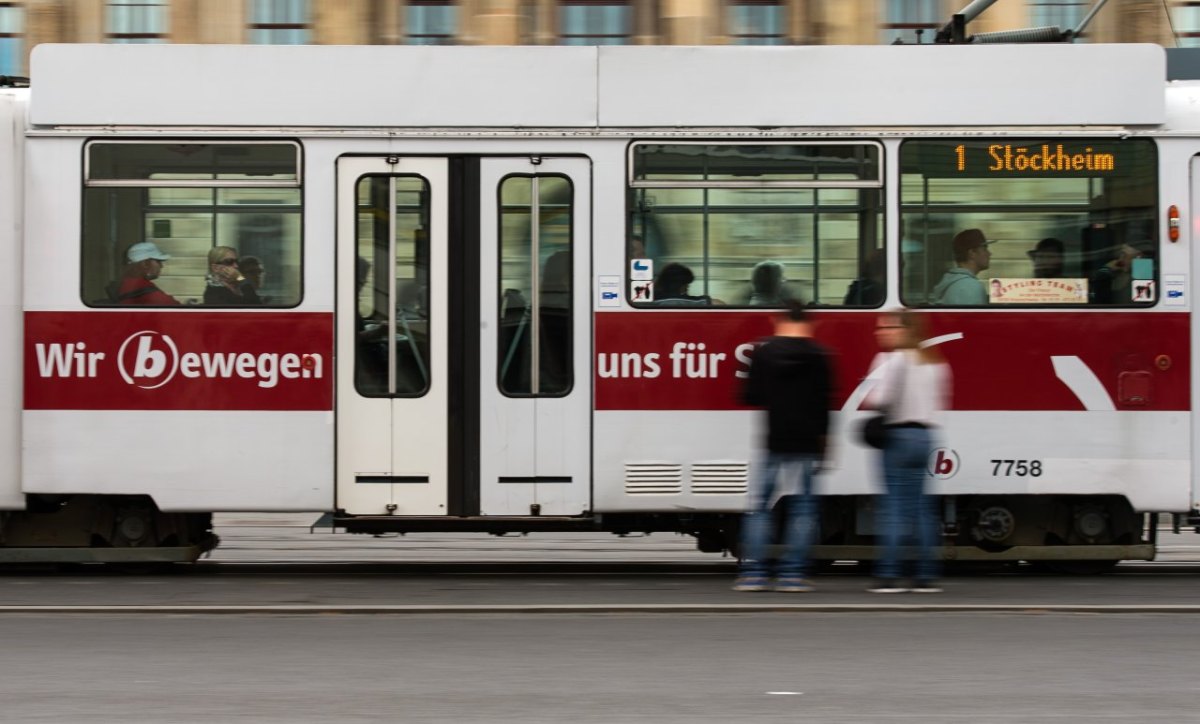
880,667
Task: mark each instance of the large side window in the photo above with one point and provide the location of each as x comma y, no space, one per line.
1050,221
756,225
208,224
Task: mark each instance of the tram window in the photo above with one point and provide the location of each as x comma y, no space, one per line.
536,259
1069,221
756,225
392,280
188,200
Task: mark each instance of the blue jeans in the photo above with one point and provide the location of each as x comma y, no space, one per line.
906,512
801,515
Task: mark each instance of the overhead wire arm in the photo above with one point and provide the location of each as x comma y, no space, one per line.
1078,30
955,30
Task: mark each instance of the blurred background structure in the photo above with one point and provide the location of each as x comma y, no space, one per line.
26,23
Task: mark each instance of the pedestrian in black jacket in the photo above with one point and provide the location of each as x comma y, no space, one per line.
791,377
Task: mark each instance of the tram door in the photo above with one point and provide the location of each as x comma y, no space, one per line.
463,336
392,336
535,336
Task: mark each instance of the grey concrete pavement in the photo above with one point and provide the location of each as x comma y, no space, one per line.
980,668
505,585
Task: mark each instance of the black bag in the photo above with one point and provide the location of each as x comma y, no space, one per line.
874,431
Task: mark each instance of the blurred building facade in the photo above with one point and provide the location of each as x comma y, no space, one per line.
26,23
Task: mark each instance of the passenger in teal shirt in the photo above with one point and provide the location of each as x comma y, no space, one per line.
960,286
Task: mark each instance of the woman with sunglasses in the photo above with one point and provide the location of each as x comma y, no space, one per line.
225,282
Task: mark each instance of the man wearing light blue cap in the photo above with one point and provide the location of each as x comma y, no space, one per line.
144,264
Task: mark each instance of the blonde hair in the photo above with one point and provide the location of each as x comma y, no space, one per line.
215,253
916,330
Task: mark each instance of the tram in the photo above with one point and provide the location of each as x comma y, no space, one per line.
515,289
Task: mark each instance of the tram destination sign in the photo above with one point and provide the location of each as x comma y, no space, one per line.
1030,158
1048,157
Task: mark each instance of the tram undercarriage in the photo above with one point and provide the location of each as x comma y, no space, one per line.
1073,534
1068,533
102,529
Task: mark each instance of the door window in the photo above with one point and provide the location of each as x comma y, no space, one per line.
392,287
536,259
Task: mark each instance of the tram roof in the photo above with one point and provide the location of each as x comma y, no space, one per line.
588,87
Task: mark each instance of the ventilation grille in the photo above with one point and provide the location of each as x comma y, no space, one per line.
653,479
721,477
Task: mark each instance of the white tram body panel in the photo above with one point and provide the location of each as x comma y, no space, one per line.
426,184
13,122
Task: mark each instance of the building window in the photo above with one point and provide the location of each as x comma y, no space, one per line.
136,21
757,22
1061,13
280,22
903,18
431,22
12,25
584,22
1185,21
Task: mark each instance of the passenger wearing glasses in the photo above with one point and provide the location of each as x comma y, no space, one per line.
225,282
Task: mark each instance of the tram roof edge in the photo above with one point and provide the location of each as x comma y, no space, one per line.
611,86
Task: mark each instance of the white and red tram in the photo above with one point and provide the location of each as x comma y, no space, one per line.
472,315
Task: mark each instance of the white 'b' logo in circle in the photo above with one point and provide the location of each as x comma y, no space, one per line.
943,463
142,365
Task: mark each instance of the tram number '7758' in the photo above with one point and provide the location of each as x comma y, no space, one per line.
1020,468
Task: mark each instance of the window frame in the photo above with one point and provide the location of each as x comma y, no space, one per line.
624,38
895,20
275,24
1044,13
152,10
424,362
745,38
1026,206
87,182
18,11
432,38
1181,10
570,341
879,184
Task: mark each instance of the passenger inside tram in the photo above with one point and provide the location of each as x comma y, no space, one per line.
671,288
1048,257
555,319
1116,281
768,285
868,290
144,264
255,273
960,286
225,286
371,363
